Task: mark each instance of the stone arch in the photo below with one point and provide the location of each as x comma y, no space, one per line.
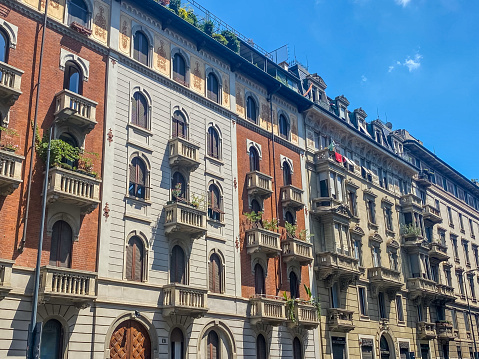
223,332
183,111
83,64
143,158
185,245
257,259
73,222
255,145
11,31
391,342
184,54
65,328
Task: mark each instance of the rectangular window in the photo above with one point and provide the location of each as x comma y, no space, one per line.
466,321
441,313
449,216
476,255
454,318
399,309
419,313
382,306
352,202
357,250
335,295
363,306
470,277
393,261
460,281
371,211
442,237
447,274
376,256
471,227
465,246
388,218
459,352
454,245
366,352
461,223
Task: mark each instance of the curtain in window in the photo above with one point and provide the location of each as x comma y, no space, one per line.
134,259
253,159
251,109
139,110
61,245
141,48
260,347
179,125
213,342
78,12
213,143
178,266
179,69
215,274
212,89
259,285
138,176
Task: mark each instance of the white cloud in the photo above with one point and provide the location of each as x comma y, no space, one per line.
363,78
413,64
390,68
403,3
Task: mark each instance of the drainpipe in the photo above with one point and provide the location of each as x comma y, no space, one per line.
21,246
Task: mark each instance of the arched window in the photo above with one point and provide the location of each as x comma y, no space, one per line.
255,206
293,285
214,145
212,91
253,159
178,266
4,45
259,285
215,274
213,346
138,186
177,344
384,346
73,80
135,260
78,12
178,187
141,48
139,110
215,205
69,139
179,125
260,347
286,174
283,127
297,352
61,245
52,340
179,69
251,109
288,217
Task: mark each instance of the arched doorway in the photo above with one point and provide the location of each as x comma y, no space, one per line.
52,340
384,348
130,340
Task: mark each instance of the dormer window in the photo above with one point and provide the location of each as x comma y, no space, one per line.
341,112
378,136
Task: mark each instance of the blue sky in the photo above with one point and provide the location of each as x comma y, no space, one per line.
415,62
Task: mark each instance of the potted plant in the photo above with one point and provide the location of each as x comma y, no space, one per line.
270,225
254,218
290,230
197,201
176,193
290,303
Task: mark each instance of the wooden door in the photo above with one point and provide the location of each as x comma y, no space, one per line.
130,340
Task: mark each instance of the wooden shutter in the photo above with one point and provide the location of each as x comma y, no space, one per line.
259,279
175,125
55,244
129,261
142,112
216,144
134,108
137,260
213,345
366,352
210,142
63,244
215,274
177,265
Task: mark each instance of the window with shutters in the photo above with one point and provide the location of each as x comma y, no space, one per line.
253,159
139,110
179,69
212,88
260,347
214,143
177,265
286,174
178,187
78,13
73,78
293,285
141,48
215,274
139,179
4,46
251,113
213,346
283,127
259,280
215,204
177,344
297,351
135,270
61,245
179,128
51,346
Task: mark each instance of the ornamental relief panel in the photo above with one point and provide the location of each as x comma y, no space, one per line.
100,22
197,75
294,129
226,90
161,61
125,34
265,118
56,8
240,100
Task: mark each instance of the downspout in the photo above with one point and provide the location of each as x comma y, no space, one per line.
21,246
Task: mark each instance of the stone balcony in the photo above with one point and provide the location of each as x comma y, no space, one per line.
297,250
385,279
340,320
75,110
259,240
438,252
421,288
5,277
267,310
432,214
411,202
445,331
445,293
67,286
292,197
179,299
306,315
329,264
184,218
73,188
422,179
183,153
426,330
323,204
10,84
10,172
259,184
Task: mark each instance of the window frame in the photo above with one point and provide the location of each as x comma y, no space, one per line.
284,126
210,94
214,287
363,302
400,309
214,143
181,78
87,20
67,78
143,252
136,183
136,100
215,213
254,106
138,36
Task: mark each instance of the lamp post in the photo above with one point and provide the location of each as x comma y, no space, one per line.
469,312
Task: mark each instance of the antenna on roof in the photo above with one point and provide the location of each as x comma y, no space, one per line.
377,110
385,114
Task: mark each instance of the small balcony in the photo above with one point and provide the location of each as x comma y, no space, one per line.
438,252
179,299
422,179
432,214
410,202
426,330
259,184
385,279
329,263
297,250
76,110
267,310
259,240
340,320
292,197
445,331
445,293
183,153
10,84
323,204
10,172
185,218
421,287
306,315
67,286
5,277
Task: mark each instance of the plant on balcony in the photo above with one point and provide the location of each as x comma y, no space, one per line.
175,6
207,27
7,143
232,40
290,229
197,200
270,225
176,193
313,300
254,218
290,303
220,38
188,16
410,229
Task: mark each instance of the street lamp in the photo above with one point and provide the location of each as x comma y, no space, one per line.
469,312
